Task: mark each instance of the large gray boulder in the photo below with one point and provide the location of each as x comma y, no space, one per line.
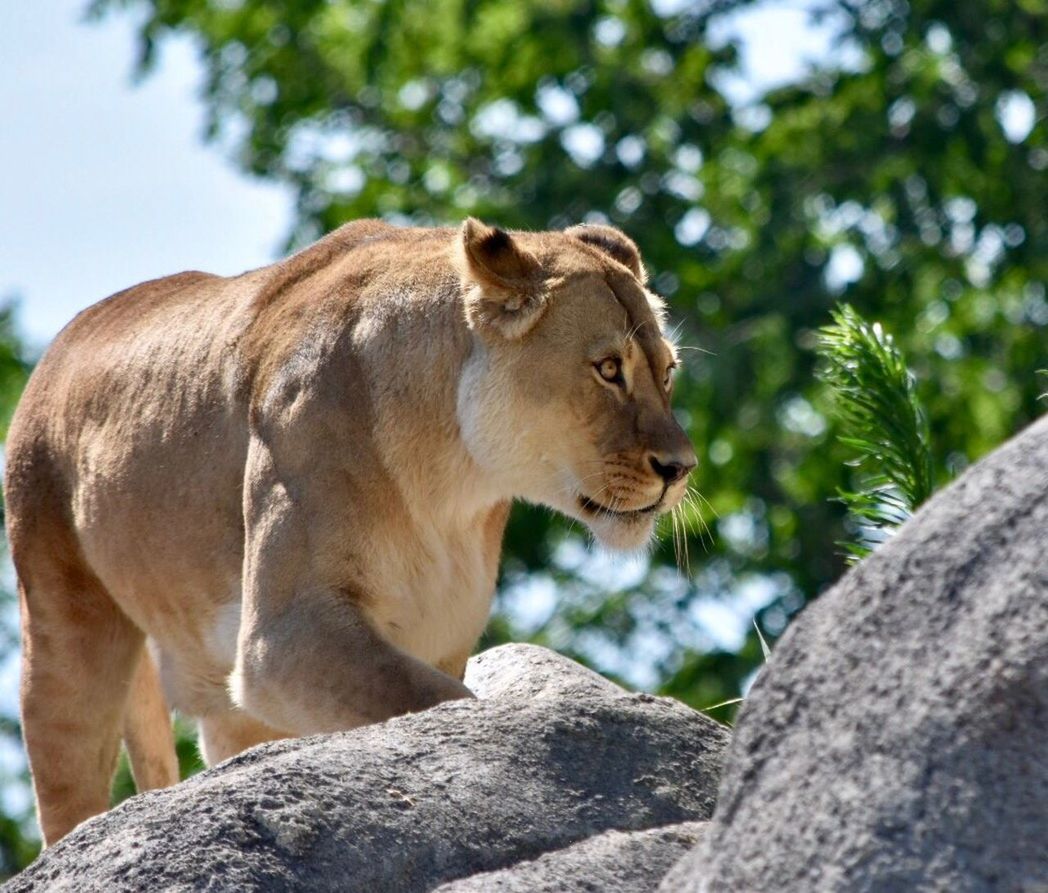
619,861
550,755
898,738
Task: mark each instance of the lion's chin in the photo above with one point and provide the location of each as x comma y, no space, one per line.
623,533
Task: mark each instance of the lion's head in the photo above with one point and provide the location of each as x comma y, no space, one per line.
566,398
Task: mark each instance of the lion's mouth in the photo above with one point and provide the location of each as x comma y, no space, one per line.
596,508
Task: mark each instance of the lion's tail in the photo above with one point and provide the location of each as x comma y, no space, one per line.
148,735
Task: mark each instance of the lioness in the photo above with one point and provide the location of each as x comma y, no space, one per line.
295,481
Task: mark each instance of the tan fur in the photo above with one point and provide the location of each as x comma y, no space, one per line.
294,482
148,735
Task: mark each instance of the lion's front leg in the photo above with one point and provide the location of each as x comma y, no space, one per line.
320,667
455,665
308,659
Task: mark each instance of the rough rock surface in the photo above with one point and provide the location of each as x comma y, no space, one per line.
535,765
526,671
619,861
898,738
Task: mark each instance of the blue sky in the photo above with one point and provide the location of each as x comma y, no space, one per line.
107,183
104,183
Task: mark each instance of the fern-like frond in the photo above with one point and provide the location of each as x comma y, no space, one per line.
881,419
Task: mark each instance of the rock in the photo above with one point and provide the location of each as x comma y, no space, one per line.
468,787
526,671
619,861
898,738
685,872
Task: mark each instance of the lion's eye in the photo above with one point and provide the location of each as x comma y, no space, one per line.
668,380
610,369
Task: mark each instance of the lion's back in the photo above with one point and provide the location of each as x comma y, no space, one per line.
134,428
175,353
126,403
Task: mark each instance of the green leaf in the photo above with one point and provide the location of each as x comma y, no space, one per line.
881,420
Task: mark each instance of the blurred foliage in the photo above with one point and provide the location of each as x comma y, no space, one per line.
189,761
882,421
15,364
905,173
18,843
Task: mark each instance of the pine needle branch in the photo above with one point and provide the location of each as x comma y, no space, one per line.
882,420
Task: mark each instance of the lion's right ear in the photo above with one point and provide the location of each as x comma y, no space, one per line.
504,286
614,243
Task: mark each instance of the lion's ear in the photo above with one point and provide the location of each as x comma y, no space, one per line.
614,243
505,291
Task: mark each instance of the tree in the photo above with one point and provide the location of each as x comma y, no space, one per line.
18,846
905,174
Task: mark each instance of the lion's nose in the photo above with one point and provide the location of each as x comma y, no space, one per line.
672,469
